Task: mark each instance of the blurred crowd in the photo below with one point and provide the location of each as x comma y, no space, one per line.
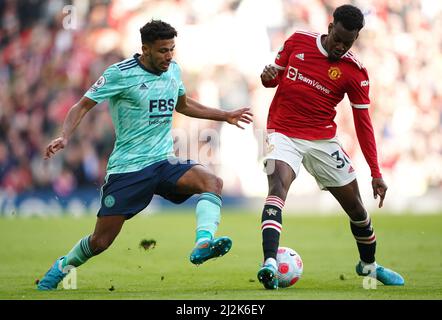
52,51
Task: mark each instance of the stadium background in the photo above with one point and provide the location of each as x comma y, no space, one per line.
52,51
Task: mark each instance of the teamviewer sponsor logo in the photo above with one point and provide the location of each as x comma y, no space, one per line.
313,83
292,73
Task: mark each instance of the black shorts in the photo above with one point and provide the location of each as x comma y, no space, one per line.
129,193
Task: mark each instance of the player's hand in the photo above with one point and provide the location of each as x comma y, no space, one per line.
240,115
379,189
269,73
54,146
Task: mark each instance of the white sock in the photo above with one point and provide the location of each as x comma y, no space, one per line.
369,268
272,262
373,264
201,240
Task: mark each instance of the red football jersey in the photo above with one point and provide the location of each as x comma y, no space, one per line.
310,87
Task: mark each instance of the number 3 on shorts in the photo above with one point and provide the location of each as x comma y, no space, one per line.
341,161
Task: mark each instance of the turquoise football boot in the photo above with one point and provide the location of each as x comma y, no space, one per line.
209,249
52,278
386,276
267,275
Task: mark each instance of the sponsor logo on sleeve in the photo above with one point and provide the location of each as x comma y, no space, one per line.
98,84
365,83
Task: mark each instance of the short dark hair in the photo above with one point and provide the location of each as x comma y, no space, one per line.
157,30
349,16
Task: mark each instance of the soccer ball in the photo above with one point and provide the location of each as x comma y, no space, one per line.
289,267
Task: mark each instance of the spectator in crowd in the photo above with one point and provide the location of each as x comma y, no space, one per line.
50,53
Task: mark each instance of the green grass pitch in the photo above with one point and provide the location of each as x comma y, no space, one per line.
410,244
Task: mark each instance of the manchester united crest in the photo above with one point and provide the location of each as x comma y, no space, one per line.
334,73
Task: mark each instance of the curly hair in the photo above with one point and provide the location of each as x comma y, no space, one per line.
349,16
157,30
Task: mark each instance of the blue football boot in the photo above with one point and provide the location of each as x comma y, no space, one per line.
386,276
209,249
53,277
267,275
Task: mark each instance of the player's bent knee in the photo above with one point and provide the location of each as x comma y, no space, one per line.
212,184
219,185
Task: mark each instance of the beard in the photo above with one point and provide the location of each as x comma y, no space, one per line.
333,58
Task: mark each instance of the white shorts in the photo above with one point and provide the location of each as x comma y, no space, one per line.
325,160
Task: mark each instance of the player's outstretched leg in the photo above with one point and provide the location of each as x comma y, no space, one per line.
365,237
79,254
106,230
386,276
208,213
363,232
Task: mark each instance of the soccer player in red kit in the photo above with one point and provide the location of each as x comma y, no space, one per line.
313,72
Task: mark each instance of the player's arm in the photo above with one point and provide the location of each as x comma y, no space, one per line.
358,93
270,76
194,109
272,73
365,134
72,120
